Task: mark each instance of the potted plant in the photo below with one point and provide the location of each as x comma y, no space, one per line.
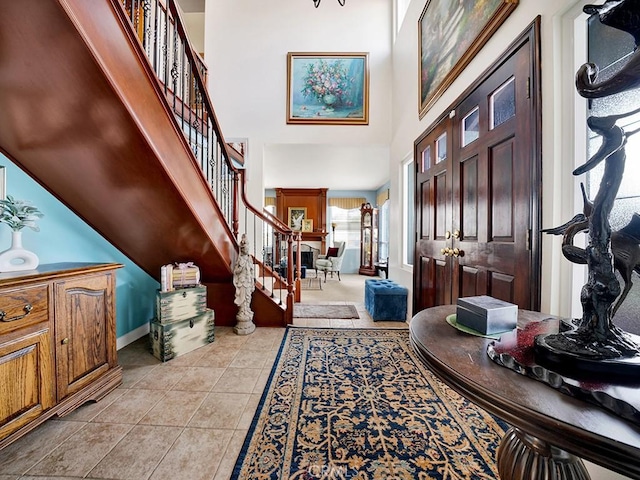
18,214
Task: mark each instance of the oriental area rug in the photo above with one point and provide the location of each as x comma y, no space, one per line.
359,404
324,311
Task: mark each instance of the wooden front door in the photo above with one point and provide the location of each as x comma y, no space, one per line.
477,198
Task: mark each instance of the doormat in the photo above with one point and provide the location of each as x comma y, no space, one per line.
325,311
359,404
311,283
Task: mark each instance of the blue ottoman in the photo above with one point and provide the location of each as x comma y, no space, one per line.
385,300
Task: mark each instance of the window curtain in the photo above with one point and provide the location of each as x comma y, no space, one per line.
347,203
345,215
382,197
269,201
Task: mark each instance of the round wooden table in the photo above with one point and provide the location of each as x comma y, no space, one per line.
549,427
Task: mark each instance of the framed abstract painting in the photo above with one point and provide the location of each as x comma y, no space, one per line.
328,88
450,34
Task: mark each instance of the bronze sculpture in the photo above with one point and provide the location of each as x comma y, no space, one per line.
594,337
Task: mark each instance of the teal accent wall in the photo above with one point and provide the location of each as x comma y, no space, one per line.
64,237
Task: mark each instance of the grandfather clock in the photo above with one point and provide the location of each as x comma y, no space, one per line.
368,239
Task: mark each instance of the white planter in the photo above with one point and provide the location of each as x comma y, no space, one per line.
17,258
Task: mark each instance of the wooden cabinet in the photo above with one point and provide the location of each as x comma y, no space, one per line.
57,343
314,200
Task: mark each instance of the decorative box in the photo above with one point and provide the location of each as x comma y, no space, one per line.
180,304
486,314
174,339
185,275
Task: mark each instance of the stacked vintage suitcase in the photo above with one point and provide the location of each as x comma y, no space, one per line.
182,320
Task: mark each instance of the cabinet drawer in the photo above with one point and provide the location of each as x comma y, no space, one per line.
22,307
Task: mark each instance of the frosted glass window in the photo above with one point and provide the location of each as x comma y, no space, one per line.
502,104
426,158
441,148
471,127
611,49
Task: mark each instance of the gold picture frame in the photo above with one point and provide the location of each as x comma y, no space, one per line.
307,225
328,88
295,218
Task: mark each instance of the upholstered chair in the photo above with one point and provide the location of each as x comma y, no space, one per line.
332,261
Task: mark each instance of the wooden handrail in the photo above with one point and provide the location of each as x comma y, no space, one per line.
179,64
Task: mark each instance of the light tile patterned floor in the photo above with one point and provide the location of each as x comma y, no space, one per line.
183,419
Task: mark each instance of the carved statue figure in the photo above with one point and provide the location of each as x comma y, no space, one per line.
623,15
595,337
244,282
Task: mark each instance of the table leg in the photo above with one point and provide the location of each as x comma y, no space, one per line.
524,457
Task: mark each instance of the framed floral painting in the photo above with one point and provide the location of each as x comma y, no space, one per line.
450,35
328,88
307,225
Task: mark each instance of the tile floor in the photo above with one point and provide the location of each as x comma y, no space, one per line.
183,419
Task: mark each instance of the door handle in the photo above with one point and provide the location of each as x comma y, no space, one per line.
27,310
456,234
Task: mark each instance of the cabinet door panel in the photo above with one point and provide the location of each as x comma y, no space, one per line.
84,313
469,201
502,286
26,373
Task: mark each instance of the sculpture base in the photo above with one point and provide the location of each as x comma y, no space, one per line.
516,350
245,326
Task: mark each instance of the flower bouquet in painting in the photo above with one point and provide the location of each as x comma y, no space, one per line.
328,83
325,88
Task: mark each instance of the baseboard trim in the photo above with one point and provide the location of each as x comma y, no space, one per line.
132,336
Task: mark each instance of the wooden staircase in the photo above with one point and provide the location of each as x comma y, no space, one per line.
83,113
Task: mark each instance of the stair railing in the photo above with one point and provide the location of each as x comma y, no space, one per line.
275,247
182,74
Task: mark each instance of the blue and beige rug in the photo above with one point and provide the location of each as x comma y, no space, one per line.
358,404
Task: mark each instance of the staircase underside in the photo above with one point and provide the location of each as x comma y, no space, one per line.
83,114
